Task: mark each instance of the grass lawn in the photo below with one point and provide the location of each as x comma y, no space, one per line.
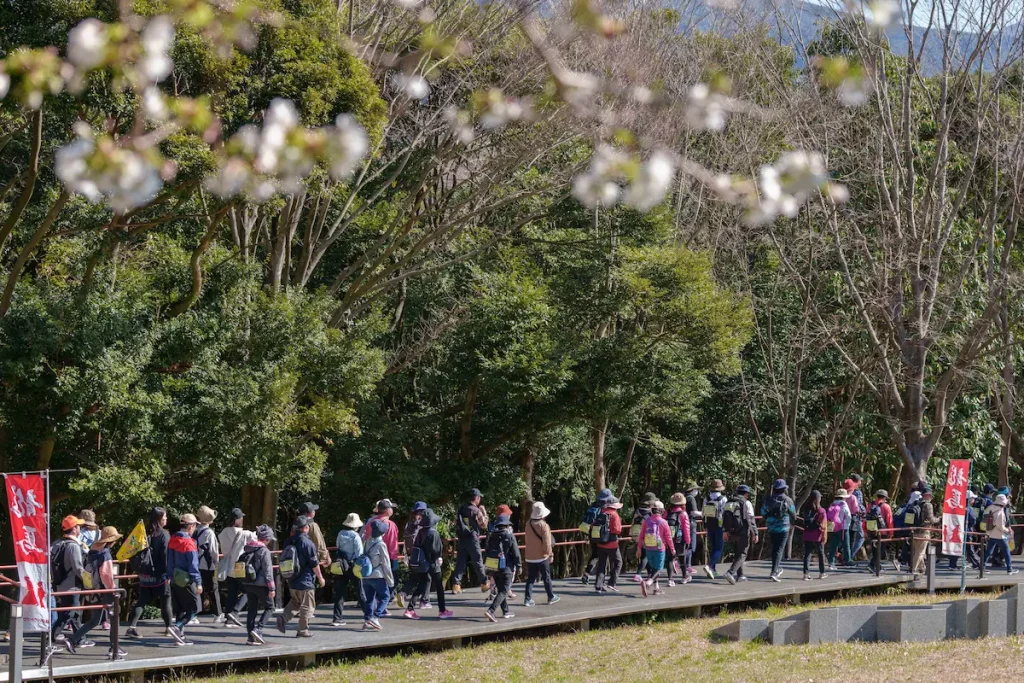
680,650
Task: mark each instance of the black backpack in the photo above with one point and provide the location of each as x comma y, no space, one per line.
873,519
776,507
811,519
912,514
734,516
494,557
248,561
674,524
142,562
58,553
601,530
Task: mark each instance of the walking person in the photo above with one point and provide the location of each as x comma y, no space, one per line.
300,566
377,583
154,577
878,523
470,522
997,528
779,512
656,539
90,530
384,510
695,513
609,528
639,515
98,574
814,534
232,541
540,553
349,546
409,532
714,508
209,554
67,559
922,533
738,522
425,563
679,524
257,582
186,582
838,514
857,522
587,529
316,536
501,562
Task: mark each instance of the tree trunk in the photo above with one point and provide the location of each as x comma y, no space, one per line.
466,424
529,459
624,476
600,428
259,503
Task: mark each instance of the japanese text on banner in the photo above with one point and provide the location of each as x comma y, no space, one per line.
26,501
954,507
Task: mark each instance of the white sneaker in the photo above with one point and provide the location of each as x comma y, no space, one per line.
774,577
730,578
194,622
637,578
671,583
709,572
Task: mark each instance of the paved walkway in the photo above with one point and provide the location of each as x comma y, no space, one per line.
579,606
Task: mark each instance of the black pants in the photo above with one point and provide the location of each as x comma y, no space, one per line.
535,571
422,590
814,547
186,604
211,591
236,595
65,617
592,562
502,583
741,546
341,591
95,616
260,608
148,594
468,554
608,560
641,564
778,548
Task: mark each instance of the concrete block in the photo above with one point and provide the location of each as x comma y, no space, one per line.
857,623
912,624
963,619
743,630
994,617
1015,610
789,631
823,625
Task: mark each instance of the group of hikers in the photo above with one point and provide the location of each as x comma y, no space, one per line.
177,570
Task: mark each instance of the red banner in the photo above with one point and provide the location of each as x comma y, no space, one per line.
954,507
26,501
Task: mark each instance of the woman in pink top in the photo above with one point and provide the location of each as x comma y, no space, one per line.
655,539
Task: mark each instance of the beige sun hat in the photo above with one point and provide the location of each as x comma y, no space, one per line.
206,514
540,511
353,521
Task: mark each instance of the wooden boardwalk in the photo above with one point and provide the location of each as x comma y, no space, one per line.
579,607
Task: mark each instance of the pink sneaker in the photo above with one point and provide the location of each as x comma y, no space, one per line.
447,614
411,614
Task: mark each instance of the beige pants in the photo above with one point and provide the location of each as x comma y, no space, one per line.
917,550
302,603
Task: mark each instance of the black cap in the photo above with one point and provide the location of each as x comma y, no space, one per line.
989,488
473,493
300,522
384,504
307,508
236,513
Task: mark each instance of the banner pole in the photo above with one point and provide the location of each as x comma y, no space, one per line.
966,536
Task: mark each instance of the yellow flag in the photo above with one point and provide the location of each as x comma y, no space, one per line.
134,542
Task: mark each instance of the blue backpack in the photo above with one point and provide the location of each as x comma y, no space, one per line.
363,567
589,517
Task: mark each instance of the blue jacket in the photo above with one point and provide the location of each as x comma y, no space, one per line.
305,560
779,525
182,553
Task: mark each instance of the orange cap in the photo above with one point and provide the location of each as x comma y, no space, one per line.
70,522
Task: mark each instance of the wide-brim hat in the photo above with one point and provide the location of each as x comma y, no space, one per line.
540,510
187,518
109,534
1002,500
88,518
691,485
206,514
780,485
419,506
677,499
503,520
717,485
658,505
650,497
842,493
882,493
353,521
613,503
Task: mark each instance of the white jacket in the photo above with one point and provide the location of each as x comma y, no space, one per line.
232,542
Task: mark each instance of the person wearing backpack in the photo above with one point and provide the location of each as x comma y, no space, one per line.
502,560
679,525
66,562
349,546
996,560
857,538
154,580
639,515
412,527
814,534
540,553
738,522
695,513
779,512
838,514
97,574
186,582
300,566
656,541
585,528
922,534
607,529
232,541
257,581
971,522
425,562
713,509
997,529
209,555
378,581
878,523
470,523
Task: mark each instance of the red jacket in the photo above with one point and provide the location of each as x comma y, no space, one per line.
614,528
886,517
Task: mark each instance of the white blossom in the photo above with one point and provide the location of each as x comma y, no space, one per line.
652,182
347,144
706,110
460,121
87,44
230,179
413,86
883,13
501,110
785,185
154,104
121,177
157,38
407,4
280,119
853,91
594,191
5,84
71,164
